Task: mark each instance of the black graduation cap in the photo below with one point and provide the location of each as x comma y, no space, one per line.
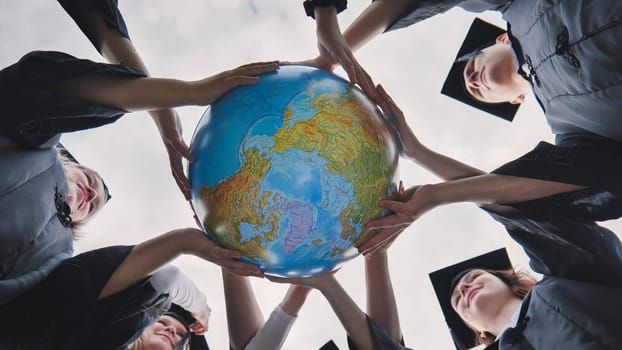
445,280
197,342
65,152
481,34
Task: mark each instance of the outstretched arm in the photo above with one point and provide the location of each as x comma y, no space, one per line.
464,182
381,303
137,94
147,257
274,331
244,317
374,20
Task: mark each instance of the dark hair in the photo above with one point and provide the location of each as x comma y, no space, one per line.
520,283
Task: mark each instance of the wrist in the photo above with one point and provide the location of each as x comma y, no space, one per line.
324,282
294,299
325,15
379,257
192,90
191,240
298,290
417,153
310,6
438,194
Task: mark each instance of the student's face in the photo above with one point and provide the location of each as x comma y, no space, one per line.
86,192
164,334
478,298
492,76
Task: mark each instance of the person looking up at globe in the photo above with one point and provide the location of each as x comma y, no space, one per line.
176,329
105,298
548,219
130,298
44,95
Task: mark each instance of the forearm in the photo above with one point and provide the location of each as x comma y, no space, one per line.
441,165
294,299
147,257
133,94
381,303
244,317
496,189
352,318
374,20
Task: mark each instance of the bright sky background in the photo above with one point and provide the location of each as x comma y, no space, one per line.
192,39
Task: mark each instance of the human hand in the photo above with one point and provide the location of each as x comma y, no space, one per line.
410,206
170,128
379,247
208,90
334,49
205,248
202,321
409,144
318,62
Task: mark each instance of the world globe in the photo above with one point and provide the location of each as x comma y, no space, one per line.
289,170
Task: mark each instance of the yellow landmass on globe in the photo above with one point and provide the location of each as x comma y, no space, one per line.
350,137
233,201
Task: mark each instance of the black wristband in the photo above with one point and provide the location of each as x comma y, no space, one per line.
310,5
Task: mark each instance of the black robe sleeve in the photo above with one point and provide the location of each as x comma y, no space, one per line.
108,10
585,160
31,112
560,245
425,9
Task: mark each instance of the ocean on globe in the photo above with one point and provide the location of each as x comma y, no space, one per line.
289,170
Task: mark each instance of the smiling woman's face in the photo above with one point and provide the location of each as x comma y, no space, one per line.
479,297
86,193
492,76
163,335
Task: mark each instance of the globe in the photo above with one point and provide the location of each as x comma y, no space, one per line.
289,170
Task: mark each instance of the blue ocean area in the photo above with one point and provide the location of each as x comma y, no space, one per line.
248,231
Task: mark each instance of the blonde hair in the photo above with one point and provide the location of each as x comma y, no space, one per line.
136,344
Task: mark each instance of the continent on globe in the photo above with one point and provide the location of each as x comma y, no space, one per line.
289,170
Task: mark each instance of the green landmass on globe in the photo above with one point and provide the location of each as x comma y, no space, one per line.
289,170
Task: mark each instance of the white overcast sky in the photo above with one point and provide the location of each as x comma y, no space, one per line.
192,39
